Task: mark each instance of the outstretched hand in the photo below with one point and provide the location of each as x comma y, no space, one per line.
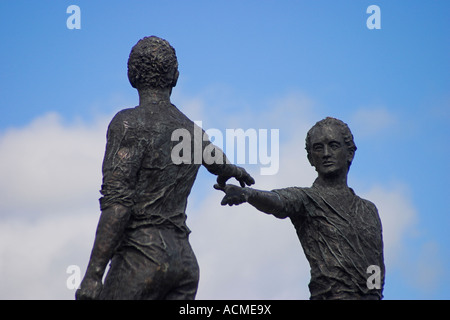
234,195
241,175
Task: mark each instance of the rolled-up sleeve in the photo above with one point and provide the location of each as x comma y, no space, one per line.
123,157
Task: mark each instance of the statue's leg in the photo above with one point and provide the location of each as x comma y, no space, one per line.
188,274
153,264
139,268
129,277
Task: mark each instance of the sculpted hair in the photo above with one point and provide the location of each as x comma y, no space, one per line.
343,128
152,64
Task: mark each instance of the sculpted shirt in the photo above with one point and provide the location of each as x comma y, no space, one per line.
341,236
139,173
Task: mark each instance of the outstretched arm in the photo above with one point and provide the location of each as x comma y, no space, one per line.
216,162
265,201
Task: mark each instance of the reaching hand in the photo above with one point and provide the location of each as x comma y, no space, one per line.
241,175
234,195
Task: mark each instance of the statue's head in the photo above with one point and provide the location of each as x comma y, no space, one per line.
152,64
330,146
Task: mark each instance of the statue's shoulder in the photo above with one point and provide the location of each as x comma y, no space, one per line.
367,203
128,114
290,190
123,119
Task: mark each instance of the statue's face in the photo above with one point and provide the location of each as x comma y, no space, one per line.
329,153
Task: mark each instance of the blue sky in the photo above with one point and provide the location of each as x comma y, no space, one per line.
245,64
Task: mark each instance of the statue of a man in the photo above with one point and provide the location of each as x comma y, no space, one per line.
142,228
340,233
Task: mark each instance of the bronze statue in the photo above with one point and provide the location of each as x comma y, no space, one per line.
340,233
142,228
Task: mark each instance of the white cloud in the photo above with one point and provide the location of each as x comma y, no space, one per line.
35,254
48,165
48,203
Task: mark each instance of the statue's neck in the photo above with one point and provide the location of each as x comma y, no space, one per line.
332,182
154,95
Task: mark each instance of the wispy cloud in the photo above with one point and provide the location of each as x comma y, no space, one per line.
35,253
50,165
48,202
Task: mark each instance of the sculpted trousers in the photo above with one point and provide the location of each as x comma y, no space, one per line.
152,264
